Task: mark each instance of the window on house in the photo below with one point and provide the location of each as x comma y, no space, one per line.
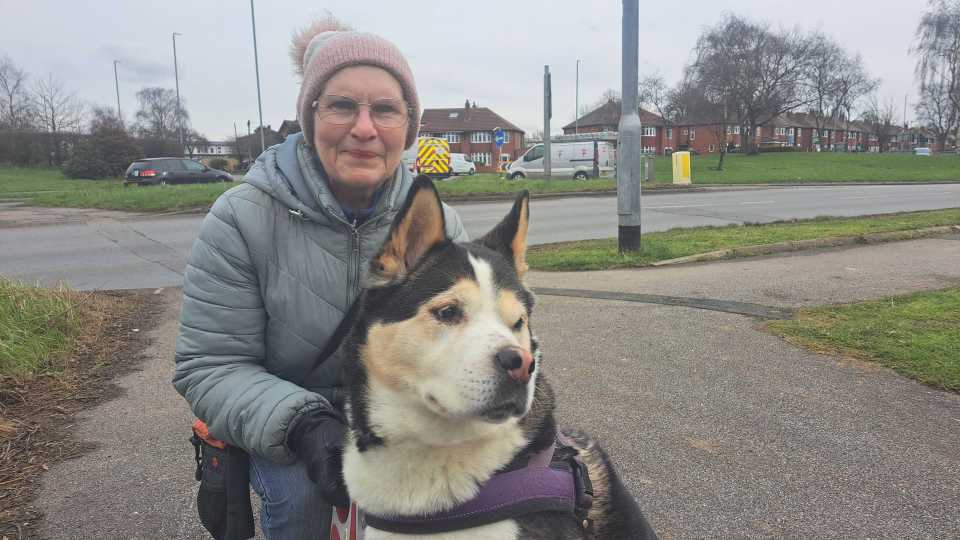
685,132
759,131
649,131
452,137
480,137
713,148
649,149
506,137
454,114
693,134
736,130
670,133
481,157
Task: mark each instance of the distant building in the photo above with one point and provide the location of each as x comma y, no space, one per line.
211,149
469,130
250,144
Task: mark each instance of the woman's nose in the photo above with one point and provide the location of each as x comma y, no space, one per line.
363,126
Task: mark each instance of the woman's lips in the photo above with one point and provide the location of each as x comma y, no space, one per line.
360,154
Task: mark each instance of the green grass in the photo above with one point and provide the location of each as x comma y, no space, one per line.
487,184
661,246
16,181
917,335
37,327
48,187
802,167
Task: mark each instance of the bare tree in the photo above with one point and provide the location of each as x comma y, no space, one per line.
759,70
14,99
835,81
938,64
157,120
882,120
58,112
936,111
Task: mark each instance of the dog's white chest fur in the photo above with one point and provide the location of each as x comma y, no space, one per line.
504,530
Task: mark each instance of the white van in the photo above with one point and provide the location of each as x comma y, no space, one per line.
462,164
568,159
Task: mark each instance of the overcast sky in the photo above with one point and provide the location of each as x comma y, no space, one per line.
490,52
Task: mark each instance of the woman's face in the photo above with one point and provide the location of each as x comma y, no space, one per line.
360,155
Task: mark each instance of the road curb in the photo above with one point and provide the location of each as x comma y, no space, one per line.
801,245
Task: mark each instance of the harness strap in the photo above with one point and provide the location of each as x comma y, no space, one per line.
540,486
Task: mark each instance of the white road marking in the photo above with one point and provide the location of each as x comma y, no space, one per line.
758,202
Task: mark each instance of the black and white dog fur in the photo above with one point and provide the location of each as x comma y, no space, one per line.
446,385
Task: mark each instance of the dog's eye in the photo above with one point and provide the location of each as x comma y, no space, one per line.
450,314
517,326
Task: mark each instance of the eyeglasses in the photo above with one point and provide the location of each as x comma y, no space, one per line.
341,110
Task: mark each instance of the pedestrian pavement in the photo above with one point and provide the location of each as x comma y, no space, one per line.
720,429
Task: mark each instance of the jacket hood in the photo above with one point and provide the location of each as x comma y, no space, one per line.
290,173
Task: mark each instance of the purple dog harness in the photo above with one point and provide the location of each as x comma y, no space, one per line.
543,485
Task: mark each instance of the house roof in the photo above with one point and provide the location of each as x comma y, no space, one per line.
471,118
608,114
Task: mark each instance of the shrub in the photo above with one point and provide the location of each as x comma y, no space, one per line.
219,163
105,153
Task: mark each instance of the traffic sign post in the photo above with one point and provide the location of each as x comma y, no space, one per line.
498,138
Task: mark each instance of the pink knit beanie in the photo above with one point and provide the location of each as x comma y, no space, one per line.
327,46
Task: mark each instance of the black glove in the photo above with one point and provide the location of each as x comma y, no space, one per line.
317,439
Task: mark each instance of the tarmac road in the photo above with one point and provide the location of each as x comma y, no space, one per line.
721,430
110,250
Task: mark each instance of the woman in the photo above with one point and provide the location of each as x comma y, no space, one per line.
279,261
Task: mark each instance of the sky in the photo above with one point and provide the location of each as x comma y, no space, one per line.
492,53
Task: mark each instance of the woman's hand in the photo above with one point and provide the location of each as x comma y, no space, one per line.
317,440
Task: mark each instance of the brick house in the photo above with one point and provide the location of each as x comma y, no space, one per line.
469,130
607,118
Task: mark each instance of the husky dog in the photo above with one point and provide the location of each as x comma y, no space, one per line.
446,386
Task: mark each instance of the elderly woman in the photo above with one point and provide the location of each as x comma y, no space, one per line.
278,263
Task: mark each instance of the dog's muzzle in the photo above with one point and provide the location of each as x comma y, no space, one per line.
515,367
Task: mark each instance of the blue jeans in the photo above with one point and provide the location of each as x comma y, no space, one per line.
291,507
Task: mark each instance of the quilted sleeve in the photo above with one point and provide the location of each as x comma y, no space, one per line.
221,346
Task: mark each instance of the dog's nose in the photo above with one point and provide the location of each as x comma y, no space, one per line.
517,362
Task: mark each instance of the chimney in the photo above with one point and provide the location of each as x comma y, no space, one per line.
466,104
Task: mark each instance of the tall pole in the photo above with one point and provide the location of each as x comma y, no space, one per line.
547,113
236,141
576,113
628,144
116,81
256,63
176,78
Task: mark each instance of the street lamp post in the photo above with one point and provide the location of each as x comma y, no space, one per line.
116,82
576,113
176,78
256,63
628,137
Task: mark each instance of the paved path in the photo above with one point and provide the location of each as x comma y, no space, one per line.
721,430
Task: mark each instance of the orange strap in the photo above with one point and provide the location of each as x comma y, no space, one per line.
200,429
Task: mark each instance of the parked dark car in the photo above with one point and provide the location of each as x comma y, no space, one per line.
163,171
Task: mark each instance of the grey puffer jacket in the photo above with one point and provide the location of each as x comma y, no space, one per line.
273,272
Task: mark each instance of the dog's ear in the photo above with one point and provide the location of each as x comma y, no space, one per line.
418,227
509,237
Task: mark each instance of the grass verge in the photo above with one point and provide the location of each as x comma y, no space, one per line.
806,167
37,327
917,335
661,246
59,349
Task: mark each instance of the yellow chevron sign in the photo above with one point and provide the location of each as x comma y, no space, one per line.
433,156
